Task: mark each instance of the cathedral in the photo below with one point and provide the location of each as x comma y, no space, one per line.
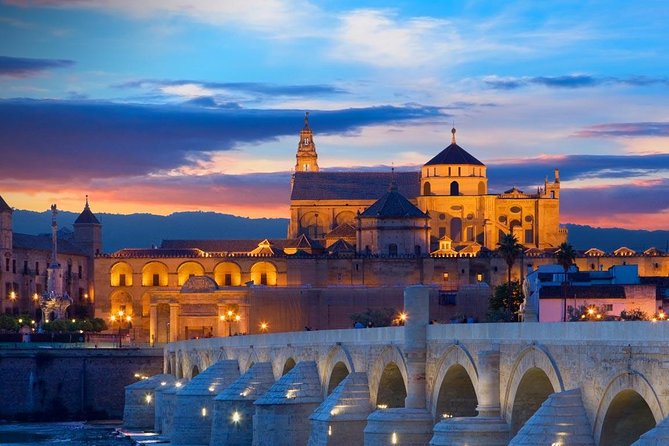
445,209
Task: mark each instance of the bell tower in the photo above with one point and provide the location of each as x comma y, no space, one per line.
307,158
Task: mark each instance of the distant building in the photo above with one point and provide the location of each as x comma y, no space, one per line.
25,258
609,292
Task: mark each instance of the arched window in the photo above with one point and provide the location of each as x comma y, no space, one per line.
188,269
264,273
121,274
481,188
455,188
427,189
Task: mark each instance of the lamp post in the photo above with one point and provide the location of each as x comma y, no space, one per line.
230,316
120,317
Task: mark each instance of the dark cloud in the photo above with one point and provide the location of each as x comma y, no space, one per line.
620,199
625,129
570,81
87,139
26,67
259,88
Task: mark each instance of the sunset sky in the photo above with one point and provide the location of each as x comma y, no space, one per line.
172,105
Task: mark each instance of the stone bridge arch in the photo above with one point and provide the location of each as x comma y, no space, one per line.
246,363
628,380
532,357
390,354
282,360
455,355
336,355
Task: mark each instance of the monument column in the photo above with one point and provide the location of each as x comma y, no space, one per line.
153,323
174,322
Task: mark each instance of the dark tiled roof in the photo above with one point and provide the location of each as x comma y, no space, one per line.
454,154
393,205
43,243
133,253
344,230
584,292
352,185
341,247
86,217
4,207
236,246
303,242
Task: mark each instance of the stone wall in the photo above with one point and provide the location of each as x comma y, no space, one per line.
61,384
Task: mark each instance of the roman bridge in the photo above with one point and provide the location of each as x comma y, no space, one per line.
596,383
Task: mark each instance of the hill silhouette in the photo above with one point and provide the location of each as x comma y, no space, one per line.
144,230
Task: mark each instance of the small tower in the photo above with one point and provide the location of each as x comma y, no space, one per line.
88,232
307,158
5,229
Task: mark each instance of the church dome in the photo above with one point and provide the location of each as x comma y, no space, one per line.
454,154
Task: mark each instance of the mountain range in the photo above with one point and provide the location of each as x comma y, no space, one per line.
146,230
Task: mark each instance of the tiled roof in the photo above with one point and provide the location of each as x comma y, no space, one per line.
352,185
237,246
43,243
454,154
393,205
341,247
4,207
344,230
584,292
134,253
86,217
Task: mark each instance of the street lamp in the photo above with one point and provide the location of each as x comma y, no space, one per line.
230,316
264,326
120,317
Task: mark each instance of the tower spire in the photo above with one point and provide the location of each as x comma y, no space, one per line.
453,134
307,158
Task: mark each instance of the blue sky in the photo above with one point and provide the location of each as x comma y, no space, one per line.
162,106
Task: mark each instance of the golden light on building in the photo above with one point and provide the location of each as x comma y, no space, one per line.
264,326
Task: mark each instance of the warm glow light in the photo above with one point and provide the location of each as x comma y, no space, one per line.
204,411
447,415
222,317
74,320
128,318
393,438
382,406
238,318
113,318
599,316
591,311
12,295
20,321
230,313
662,315
35,296
264,326
334,412
403,317
148,398
120,313
236,417
291,393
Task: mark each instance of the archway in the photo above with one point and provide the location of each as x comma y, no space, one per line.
228,274
427,189
263,273
627,418
288,366
121,301
339,372
481,188
392,391
154,274
188,269
194,372
455,188
345,217
312,225
121,274
456,229
533,389
457,396
162,323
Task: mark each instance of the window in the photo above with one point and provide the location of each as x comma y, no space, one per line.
470,233
14,266
156,280
25,267
80,272
69,270
608,307
263,278
459,171
7,264
445,276
417,250
121,280
37,268
592,266
552,194
427,189
228,279
479,277
455,188
392,249
529,236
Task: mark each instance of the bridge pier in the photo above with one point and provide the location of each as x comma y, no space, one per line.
139,411
232,422
411,425
166,402
342,417
195,401
486,429
282,413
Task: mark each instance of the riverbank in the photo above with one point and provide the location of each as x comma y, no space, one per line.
75,433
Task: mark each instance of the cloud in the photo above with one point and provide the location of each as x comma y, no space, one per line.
42,139
25,67
630,129
192,88
569,81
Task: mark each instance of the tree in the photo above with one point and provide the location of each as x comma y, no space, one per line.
375,318
565,256
636,314
509,249
505,303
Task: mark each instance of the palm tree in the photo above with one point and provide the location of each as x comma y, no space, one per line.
509,249
565,257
